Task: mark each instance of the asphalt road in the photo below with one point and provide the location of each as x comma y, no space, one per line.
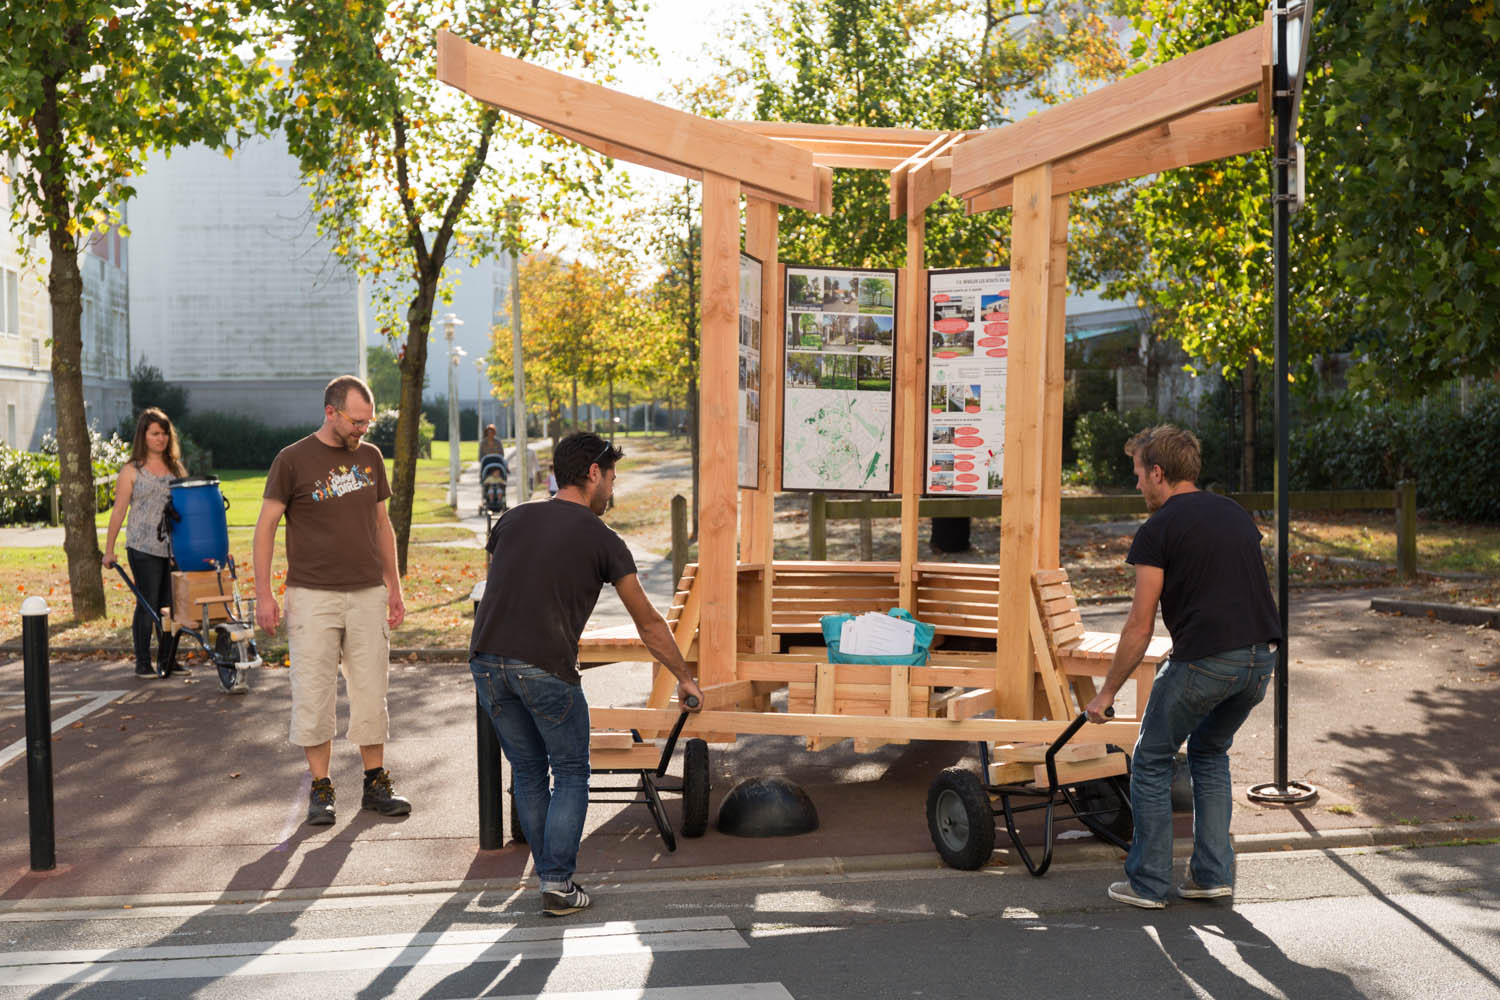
1335,925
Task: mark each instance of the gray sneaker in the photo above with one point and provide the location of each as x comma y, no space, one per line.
1121,892
1188,889
560,904
320,803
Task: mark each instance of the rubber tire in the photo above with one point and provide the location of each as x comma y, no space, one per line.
694,788
224,662
1101,794
960,819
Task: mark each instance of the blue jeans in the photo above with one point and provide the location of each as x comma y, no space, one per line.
542,721
1203,702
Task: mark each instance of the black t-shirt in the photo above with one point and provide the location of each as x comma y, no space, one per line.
549,560
1215,596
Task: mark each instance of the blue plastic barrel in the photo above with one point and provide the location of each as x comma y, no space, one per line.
200,531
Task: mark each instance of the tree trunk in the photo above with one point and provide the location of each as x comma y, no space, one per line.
575,404
1247,426
413,366
74,452
611,408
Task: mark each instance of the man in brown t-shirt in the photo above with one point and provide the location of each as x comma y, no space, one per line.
343,591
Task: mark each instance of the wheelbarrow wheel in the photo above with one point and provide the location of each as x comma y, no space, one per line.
232,679
960,820
1108,800
694,788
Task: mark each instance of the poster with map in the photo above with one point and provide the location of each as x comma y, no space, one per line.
968,336
838,401
750,323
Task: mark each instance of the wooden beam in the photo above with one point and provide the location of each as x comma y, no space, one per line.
1209,76
1049,528
928,182
900,172
1210,134
718,398
760,511
911,394
1030,268
913,138
632,122
851,162
845,726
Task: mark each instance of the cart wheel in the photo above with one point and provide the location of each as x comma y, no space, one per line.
694,788
225,657
516,833
1109,800
960,819
658,811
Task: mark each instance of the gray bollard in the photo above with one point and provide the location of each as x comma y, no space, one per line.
38,734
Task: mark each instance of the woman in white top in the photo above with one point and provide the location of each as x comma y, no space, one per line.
143,489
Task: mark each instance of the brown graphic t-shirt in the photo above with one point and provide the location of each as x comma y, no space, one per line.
331,496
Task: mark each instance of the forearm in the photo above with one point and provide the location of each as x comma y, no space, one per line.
1132,647
663,646
390,568
260,558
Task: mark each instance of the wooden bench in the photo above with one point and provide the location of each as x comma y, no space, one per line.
1079,655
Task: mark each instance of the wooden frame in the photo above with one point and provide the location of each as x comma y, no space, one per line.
732,614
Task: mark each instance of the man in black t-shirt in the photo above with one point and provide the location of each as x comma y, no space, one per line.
1199,555
549,560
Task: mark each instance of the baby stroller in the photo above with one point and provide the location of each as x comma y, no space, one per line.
493,473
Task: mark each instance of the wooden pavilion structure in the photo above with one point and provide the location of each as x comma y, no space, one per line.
1168,116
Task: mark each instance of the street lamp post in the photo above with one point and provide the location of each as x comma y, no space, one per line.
479,393
450,323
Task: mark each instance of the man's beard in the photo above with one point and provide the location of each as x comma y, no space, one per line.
349,441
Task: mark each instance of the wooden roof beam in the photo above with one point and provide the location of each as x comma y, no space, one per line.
928,180
1211,134
1209,76
638,128
899,174
912,138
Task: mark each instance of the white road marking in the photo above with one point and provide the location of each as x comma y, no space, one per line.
101,698
261,958
733,991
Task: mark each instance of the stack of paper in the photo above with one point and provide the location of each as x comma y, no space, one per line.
875,634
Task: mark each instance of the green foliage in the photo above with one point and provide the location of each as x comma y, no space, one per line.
1448,451
237,442
27,478
383,375
1099,439
149,388
382,433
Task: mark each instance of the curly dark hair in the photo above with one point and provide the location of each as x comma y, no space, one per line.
574,454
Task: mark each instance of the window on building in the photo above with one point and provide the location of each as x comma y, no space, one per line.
10,302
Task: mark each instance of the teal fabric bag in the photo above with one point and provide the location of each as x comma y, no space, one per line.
921,642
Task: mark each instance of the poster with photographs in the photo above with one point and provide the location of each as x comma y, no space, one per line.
838,402
750,320
968,336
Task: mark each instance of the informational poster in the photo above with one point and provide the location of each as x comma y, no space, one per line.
968,337
750,323
837,414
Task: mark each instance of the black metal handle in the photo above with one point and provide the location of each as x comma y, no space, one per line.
691,701
1062,741
138,595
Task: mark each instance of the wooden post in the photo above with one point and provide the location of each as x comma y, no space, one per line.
1406,529
760,242
718,396
679,538
1049,527
817,527
911,379
866,532
1031,265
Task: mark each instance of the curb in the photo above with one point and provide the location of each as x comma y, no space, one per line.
1457,614
1082,854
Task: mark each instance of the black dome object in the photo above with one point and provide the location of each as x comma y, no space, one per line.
767,807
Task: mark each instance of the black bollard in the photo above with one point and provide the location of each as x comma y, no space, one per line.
487,757
38,734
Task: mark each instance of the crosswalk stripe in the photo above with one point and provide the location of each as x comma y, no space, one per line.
99,700
733,991
263,958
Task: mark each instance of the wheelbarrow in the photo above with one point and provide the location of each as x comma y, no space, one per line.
961,808
646,785
229,644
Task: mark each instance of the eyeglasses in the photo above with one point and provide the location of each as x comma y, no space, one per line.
359,425
601,454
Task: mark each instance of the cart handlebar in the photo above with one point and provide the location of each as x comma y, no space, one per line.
1062,741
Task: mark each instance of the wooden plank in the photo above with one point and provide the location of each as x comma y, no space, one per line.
1201,137
1002,773
823,688
901,691
641,756
1068,774
1050,525
719,430
797,131
615,739
879,568
761,242
1067,632
654,129
1047,669
927,183
1036,753
1053,575
972,703
1031,261
728,695
1208,76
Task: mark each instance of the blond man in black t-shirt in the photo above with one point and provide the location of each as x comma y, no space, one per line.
343,591
1199,556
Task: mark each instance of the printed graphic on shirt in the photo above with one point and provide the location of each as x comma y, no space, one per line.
343,481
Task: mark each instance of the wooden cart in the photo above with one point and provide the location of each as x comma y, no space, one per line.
739,613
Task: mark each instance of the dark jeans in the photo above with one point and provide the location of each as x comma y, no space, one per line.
153,578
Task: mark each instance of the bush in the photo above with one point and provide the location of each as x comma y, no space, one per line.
235,442
1099,441
382,434
149,388
27,478
1449,453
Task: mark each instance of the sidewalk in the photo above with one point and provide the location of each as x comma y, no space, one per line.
168,789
